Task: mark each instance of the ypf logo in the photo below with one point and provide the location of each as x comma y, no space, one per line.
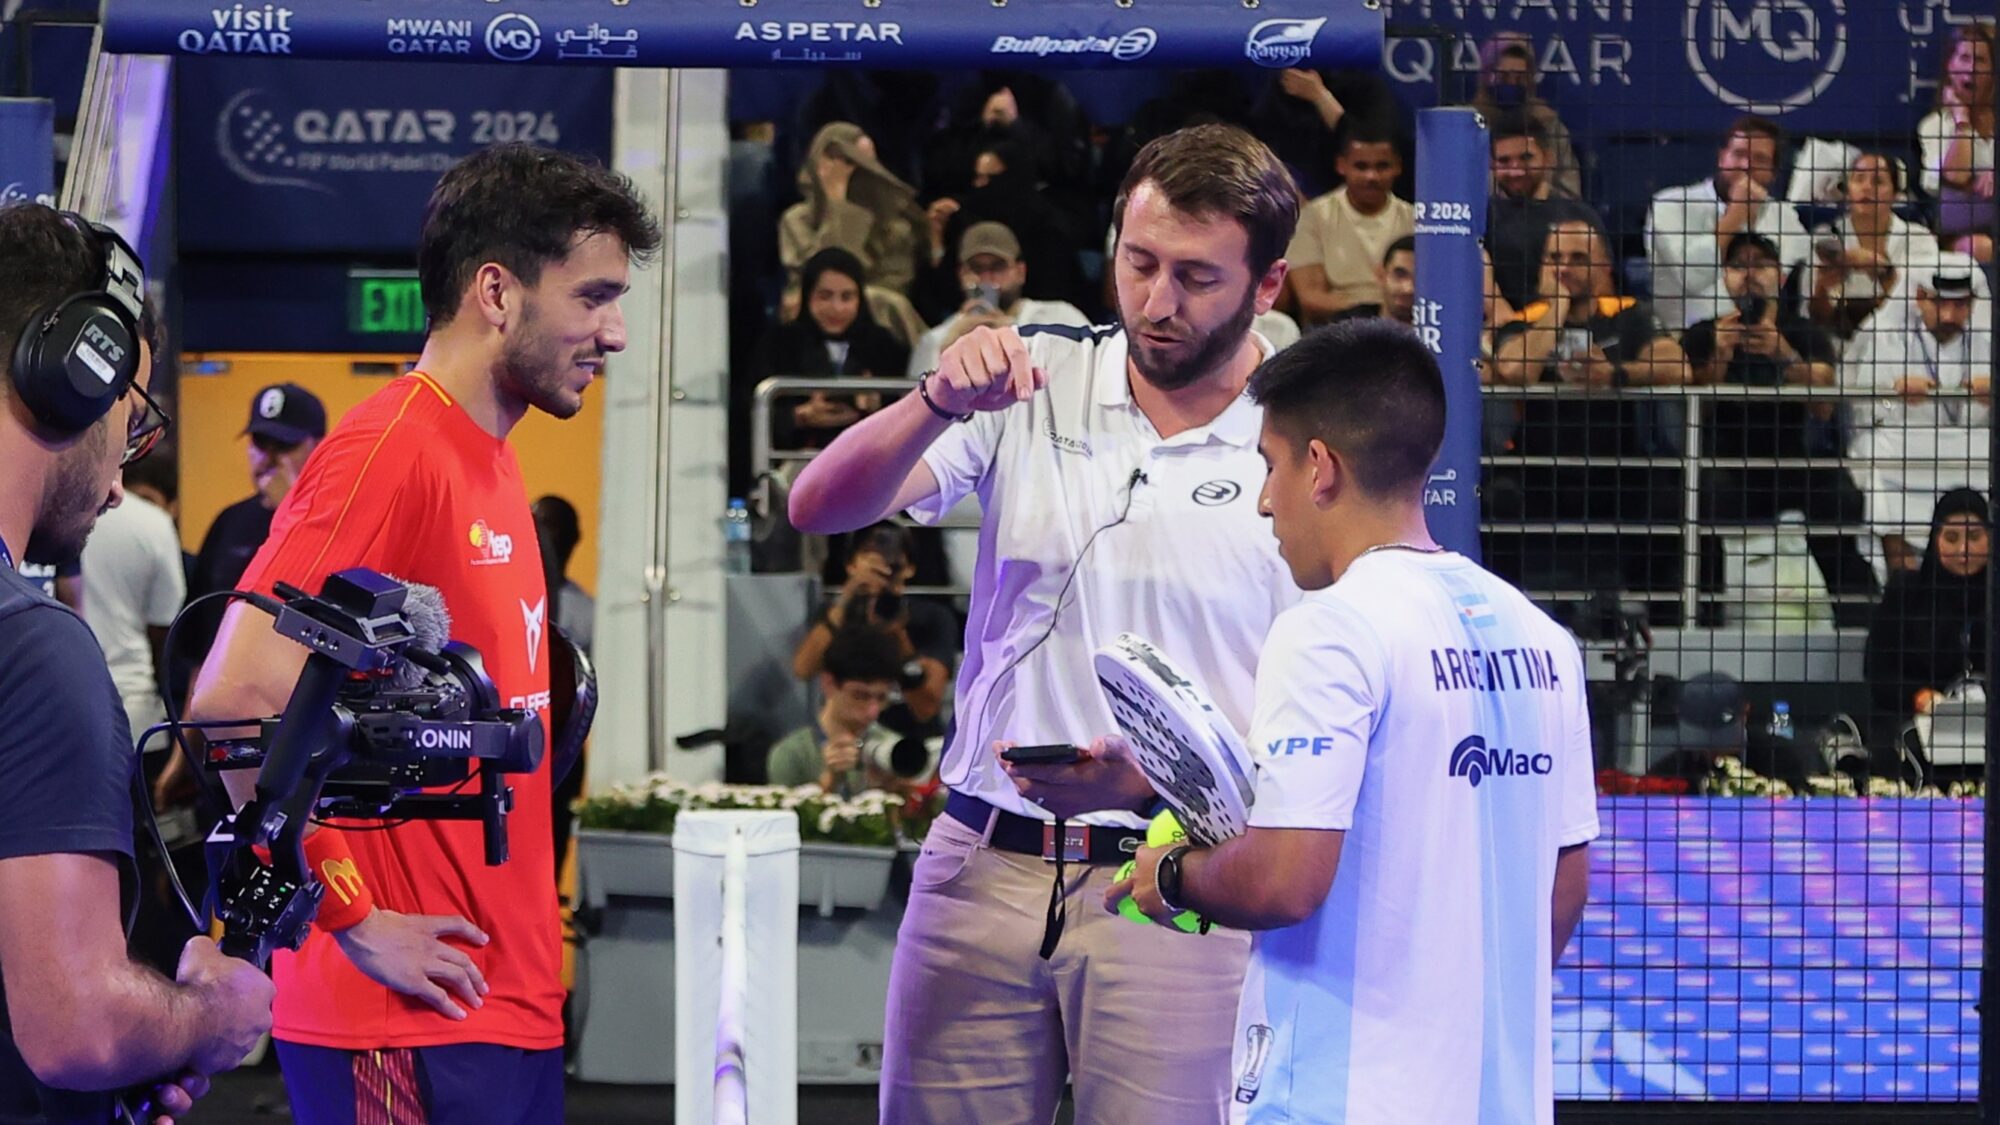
494,547
1766,56
513,37
1474,761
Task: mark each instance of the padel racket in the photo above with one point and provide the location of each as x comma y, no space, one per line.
1180,740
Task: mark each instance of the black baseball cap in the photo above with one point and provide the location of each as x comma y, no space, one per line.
288,413
1711,712
1760,242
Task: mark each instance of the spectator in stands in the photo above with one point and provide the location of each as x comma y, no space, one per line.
1337,252
858,678
1714,725
132,563
1932,346
1507,85
1957,143
893,107
1859,258
1930,630
160,484
1397,274
1578,329
1217,95
1581,333
558,531
852,202
927,635
1033,114
1524,204
286,425
1761,343
991,275
1003,190
834,334
1306,115
1688,226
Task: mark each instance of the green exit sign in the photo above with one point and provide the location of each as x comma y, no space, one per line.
384,303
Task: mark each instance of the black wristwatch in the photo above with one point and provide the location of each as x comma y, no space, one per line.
1167,876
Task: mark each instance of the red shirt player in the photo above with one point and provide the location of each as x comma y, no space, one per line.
430,986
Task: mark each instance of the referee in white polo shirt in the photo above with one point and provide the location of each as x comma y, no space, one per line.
1117,471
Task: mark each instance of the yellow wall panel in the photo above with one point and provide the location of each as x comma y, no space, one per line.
563,457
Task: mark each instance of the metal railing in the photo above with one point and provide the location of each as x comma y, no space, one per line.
1690,527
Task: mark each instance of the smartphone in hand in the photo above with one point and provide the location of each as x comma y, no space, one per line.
1051,754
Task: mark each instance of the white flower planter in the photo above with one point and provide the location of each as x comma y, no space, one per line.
843,875
641,865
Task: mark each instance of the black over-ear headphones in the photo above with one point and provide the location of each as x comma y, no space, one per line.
78,356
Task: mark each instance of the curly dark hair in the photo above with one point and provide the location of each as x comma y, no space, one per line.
523,207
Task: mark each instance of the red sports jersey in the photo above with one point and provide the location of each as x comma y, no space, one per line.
409,485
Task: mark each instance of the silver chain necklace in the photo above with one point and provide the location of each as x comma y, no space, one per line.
1398,547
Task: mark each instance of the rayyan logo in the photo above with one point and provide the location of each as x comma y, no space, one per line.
13,192
241,29
1282,43
1766,56
513,37
494,547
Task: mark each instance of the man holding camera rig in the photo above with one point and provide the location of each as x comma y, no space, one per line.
77,1017
430,987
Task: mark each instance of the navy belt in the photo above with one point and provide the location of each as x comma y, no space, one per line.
1026,835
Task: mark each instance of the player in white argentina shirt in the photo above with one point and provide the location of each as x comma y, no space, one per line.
1416,854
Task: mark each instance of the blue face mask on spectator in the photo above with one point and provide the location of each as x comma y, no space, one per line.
1507,95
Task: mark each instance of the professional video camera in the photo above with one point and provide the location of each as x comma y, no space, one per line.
384,709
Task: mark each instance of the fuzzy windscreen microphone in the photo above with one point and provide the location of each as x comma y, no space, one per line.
430,625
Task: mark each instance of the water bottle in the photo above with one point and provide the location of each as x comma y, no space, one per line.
1781,721
736,537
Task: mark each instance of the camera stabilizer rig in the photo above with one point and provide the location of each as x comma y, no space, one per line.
375,719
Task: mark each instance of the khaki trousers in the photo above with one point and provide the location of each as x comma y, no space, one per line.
982,1031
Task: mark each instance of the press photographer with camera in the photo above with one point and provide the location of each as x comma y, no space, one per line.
78,1017
431,980
878,567
845,749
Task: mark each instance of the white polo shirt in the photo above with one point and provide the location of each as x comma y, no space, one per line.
1192,567
1434,715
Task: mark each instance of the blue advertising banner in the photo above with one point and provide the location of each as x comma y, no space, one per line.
292,155
726,33
1752,949
1683,65
27,150
1451,308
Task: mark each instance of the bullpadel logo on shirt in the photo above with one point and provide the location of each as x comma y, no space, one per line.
1474,761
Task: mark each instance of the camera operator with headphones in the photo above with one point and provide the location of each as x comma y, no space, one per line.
78,1014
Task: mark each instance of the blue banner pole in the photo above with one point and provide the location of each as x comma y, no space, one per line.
1451,307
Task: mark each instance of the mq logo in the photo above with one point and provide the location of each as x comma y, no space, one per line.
1766,56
